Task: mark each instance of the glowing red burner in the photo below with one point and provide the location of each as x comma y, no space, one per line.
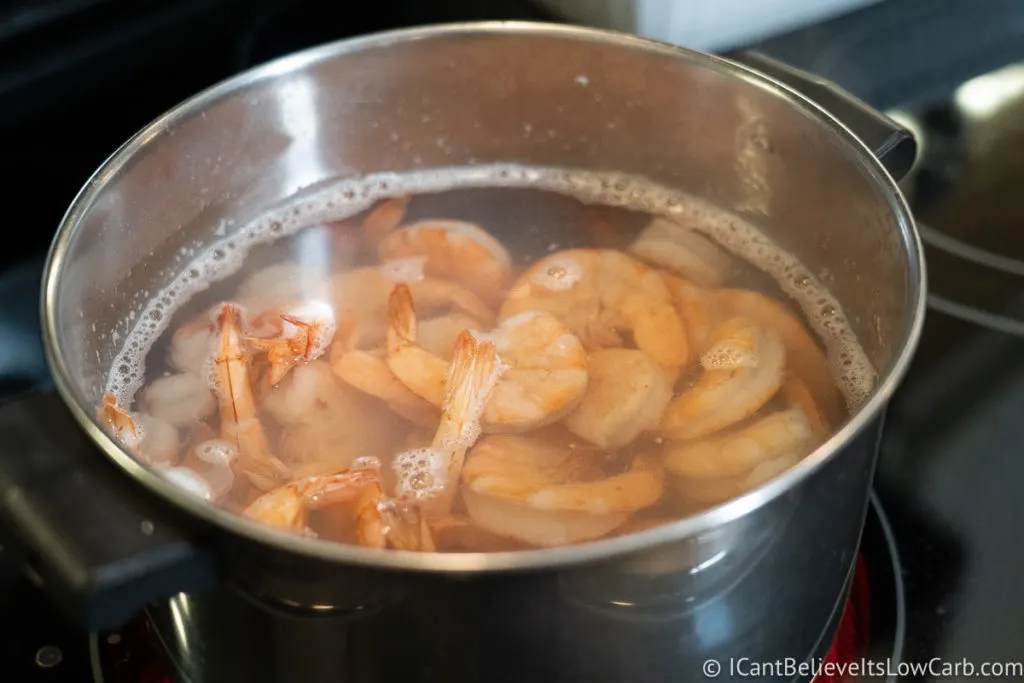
852,639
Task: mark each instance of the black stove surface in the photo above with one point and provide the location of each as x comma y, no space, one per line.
950,465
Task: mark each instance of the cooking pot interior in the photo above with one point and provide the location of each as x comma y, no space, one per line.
540,96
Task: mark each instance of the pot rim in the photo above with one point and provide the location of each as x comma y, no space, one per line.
455,563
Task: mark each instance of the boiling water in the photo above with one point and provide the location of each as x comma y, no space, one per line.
534,213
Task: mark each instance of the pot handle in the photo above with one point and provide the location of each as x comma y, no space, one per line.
87,534
891,143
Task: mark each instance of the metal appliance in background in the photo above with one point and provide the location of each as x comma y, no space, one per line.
713,25
696,587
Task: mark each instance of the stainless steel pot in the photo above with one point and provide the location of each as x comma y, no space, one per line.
762,577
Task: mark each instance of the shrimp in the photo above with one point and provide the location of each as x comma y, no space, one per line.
369,373
306,332
743,369
798,395
182,399
437,335
363,294
356,238
682,250
696,310
192,344
288,506
599,294
325,424
239,423
462,251
211,458
713,490
384,218
805,358
431,475
379,523
160,444
281,285
458,533
626,396
111,413
787,432
151,439
540,489
544,379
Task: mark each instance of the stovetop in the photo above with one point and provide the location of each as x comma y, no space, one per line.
950,468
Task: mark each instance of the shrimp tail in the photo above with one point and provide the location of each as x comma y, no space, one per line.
282,356
402,328
112,413
475,370
239,423
473,373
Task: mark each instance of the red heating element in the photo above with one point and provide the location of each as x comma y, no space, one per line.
852,638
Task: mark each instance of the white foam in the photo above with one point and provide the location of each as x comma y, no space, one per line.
320,315
729,356
421,472
216,452
853,371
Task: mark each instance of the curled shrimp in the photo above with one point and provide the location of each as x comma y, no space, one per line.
544,379
599,294
288,506
326,425
278,286
683,251
743,368
721,467
362,293
304,333
432,474
239,423
368,372
193,343
438,334
382,219
182,399
712,490
799,396
805,359
545,490
461,251
378,522
626,396
696,309
787,432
